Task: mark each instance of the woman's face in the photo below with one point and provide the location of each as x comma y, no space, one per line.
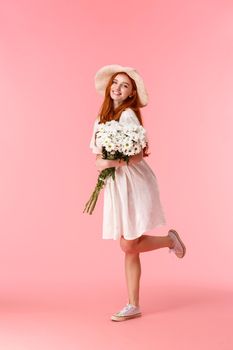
120,89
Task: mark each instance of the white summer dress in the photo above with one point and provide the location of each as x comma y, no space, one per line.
132,203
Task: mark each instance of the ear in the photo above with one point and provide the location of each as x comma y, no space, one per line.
132,94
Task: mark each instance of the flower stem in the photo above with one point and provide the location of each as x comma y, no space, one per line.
90,205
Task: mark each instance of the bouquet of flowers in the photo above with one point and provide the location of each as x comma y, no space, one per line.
117,141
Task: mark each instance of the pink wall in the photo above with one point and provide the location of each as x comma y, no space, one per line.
50,51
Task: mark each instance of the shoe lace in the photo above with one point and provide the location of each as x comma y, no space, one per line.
126,308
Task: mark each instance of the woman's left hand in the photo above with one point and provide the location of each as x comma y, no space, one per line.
101,163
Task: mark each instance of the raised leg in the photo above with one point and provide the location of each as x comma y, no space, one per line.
145,243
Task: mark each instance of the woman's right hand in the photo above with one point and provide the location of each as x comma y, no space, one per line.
101,163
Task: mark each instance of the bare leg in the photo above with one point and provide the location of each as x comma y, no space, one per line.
132,248
133,274
146,243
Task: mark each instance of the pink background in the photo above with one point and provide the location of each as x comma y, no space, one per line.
60,280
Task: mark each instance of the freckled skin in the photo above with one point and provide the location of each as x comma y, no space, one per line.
122,85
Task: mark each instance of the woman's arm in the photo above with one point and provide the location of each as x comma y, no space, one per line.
106,163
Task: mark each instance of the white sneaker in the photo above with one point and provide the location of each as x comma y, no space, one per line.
129,311
179,247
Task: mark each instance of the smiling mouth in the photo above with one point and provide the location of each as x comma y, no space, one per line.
116,93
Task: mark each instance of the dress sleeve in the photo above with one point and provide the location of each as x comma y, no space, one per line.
128,116
93,146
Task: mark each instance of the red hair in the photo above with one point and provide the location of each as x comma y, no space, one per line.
107,111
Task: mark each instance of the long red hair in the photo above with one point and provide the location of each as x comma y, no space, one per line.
107,111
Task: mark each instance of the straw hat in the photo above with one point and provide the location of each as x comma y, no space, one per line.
104,74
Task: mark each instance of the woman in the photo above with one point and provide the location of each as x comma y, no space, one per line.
131,202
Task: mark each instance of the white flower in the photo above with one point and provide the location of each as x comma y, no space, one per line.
110,147
126,139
